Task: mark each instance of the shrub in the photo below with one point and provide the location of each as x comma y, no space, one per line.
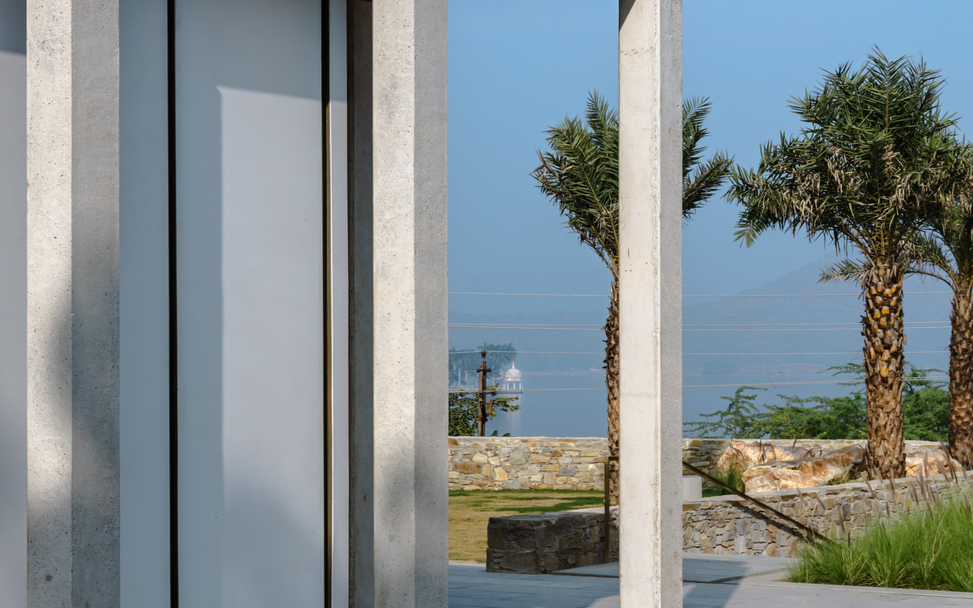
931,548
732,477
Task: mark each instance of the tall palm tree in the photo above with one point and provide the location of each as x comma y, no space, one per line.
945,253
875,160
580,175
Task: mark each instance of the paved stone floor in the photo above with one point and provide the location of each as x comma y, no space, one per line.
716,581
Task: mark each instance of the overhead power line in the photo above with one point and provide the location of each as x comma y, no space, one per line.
731,385
806,329
536,295
531,390
756,295
806,295
530,352
561,352
857,352
739,384
723,329
601,325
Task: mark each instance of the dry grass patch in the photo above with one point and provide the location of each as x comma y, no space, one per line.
471,510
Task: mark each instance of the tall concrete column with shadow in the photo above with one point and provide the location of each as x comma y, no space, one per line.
397,189
72,303
650,219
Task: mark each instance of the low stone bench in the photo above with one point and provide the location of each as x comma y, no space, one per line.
546,542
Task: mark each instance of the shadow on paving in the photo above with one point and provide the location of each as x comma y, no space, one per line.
711,583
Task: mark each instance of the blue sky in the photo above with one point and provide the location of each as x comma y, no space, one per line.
518,67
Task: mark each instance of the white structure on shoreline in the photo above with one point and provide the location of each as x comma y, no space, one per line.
513,381
224,362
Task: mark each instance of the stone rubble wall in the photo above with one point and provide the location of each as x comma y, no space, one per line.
522,463
732,525
704,453
543,543
578,463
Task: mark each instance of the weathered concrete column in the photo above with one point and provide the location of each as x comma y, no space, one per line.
361,460
650,305
72,301
410,302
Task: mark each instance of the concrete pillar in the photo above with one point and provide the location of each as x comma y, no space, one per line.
72,303
409,358
361,338
650,218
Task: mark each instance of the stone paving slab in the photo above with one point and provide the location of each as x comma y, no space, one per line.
747,581
698,569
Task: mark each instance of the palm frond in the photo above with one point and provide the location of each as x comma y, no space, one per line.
701,180
845,270
580,172
875,160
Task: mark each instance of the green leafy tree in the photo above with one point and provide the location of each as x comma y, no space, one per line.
738,420
580,175
464,412
875,160
925,406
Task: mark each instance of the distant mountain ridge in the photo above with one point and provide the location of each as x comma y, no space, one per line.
743,327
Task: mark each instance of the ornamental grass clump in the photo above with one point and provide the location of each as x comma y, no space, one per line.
929,548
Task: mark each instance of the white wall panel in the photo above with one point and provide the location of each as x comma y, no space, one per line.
251,303
273,420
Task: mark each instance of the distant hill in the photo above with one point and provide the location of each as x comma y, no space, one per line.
743,326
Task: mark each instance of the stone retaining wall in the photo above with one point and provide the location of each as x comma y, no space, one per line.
732,525
576,463
533,544
536,463
703,453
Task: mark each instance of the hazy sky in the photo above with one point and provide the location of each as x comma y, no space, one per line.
518,67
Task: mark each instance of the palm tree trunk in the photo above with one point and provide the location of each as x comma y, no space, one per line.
961,379
884,338
611,381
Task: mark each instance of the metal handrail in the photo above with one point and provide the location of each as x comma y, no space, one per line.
803,527
809,532
608,528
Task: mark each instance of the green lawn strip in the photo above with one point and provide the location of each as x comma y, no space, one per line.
471,510
930,548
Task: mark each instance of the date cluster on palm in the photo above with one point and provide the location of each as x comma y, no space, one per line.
961,380
884,339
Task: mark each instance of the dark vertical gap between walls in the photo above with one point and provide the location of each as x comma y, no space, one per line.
326,172
173,317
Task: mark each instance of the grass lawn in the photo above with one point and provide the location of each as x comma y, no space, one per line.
470,511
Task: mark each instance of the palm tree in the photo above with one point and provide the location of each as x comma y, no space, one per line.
945,253
580,175
875,160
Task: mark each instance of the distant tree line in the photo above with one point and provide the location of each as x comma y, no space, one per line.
465,360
